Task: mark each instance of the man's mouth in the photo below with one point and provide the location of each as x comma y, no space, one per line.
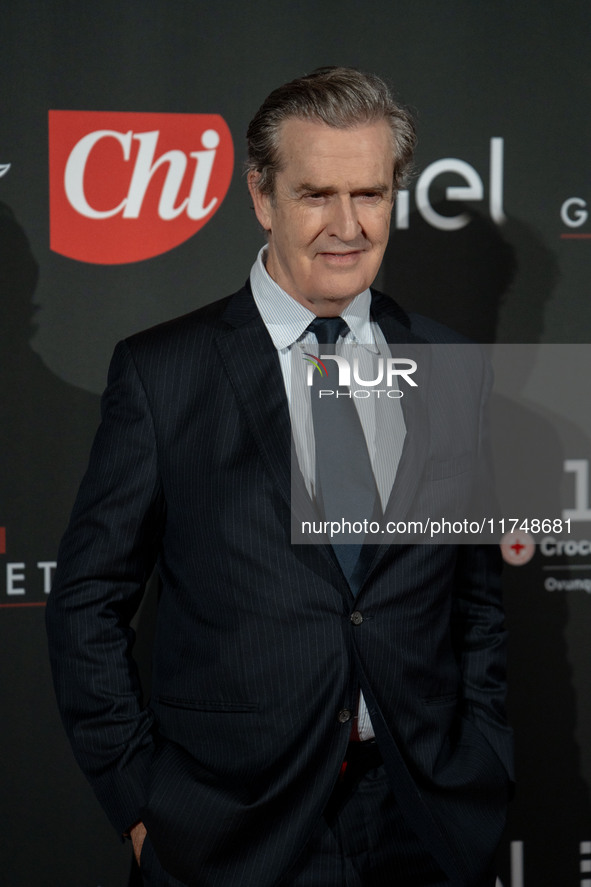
341,257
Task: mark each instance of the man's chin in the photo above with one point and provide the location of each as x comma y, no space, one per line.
330,304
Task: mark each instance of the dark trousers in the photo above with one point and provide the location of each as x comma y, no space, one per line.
361,840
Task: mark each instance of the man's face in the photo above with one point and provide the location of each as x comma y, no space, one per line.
329,219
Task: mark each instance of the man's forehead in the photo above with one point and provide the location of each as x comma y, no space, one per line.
313,146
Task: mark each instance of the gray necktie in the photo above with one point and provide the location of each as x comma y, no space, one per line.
345,484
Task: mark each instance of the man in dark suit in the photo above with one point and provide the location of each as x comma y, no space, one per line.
321,715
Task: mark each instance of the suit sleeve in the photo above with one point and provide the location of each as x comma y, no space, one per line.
104,561
480,634
481,640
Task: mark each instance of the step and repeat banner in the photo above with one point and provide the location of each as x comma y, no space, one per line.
123,203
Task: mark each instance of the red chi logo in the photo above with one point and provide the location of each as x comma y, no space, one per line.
124,187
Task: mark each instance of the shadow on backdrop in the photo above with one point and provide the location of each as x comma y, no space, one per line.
492,284
54,832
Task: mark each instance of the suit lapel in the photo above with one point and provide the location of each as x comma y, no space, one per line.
395,326
252,364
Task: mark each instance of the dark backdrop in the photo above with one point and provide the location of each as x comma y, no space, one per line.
518,271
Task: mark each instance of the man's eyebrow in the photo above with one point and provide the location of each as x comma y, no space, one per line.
377,188
309,188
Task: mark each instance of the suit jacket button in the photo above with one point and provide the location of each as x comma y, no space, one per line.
356,618
344,715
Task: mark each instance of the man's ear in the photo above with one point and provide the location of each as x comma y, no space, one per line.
261,202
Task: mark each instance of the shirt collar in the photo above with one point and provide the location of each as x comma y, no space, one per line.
287,319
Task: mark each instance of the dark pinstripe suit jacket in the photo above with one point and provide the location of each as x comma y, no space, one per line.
255,655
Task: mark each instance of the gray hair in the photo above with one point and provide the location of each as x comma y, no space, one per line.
338,96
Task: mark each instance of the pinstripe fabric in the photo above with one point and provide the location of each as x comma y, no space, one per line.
365,842
255,654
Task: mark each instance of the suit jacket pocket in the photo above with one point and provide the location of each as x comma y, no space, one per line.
219,705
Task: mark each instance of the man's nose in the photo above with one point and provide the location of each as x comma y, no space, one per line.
344,223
